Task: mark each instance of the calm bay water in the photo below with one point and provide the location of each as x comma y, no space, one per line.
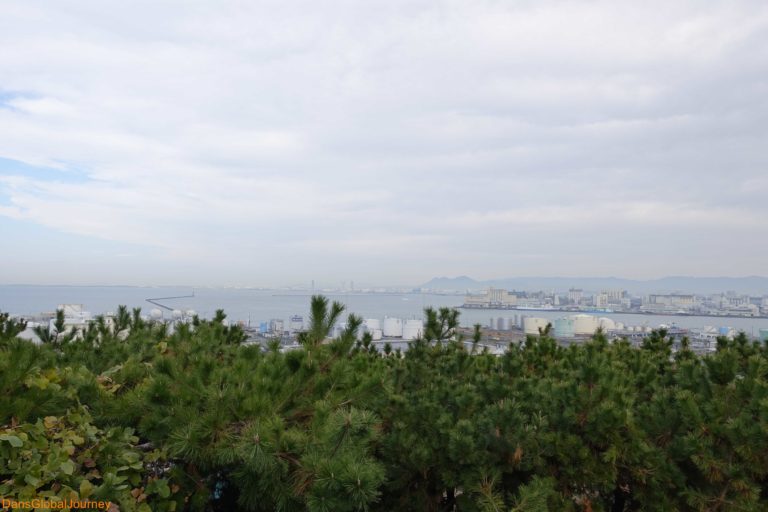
262,305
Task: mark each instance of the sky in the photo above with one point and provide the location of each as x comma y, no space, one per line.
235,143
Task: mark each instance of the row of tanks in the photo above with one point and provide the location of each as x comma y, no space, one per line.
577,325
391,327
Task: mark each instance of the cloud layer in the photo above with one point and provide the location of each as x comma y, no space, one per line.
385,142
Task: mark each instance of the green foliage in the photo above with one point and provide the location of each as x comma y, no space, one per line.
68,458
321,320
10,327
335,425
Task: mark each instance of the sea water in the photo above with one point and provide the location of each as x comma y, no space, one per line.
256,305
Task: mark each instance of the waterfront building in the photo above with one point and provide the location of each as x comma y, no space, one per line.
674,299
615,295
575,295
297,323
600,300
276,326
665,303
493,297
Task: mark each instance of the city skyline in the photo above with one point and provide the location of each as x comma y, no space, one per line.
258,145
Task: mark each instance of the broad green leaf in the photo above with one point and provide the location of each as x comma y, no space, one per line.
31,480
67,467
86,488
13,440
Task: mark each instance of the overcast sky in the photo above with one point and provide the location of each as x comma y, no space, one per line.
270,143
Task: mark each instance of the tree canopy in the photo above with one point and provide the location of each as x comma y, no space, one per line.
194,418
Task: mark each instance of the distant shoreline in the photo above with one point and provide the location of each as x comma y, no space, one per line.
640,313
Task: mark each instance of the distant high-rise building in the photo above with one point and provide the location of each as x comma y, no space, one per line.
276,326
601,300
575,295
615,295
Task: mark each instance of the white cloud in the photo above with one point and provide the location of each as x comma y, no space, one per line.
397,132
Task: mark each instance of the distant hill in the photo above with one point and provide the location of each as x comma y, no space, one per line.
753,285
454,283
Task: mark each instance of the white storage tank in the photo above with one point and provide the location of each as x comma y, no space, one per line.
532,324
584,324
372,324
412,329
607,324
393,327
156,314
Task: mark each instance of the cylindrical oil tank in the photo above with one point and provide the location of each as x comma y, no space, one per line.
501,324
532,324
563,327
412,329
393,327
584,324
375,334
607,324
372,324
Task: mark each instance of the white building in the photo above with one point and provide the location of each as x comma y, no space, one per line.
575,295
491,298
276,326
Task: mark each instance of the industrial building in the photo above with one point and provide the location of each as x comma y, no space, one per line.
492,298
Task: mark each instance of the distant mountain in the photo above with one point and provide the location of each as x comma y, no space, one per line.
753,285
454,283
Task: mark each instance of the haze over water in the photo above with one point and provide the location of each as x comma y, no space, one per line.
262,305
